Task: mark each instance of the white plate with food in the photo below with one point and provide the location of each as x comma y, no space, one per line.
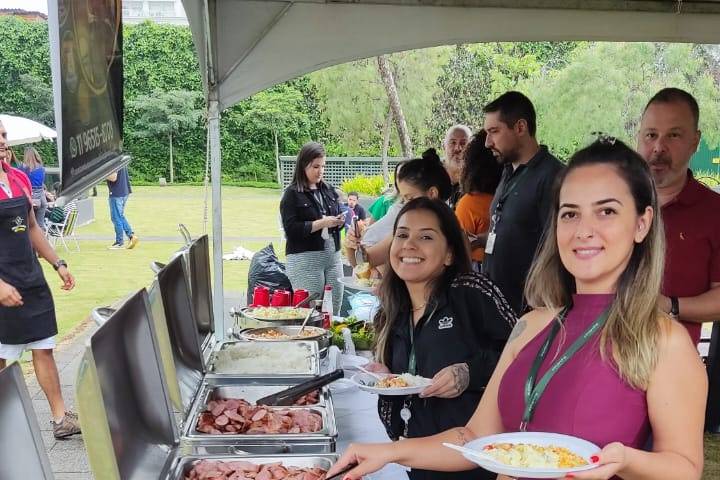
391,384
532,454
364,285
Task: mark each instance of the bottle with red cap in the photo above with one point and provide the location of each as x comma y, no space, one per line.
327,307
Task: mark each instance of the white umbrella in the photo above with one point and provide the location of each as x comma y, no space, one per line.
23,130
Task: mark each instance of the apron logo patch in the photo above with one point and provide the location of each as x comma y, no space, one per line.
19,225
445,322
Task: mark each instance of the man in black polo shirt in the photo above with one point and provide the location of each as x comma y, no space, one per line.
522,201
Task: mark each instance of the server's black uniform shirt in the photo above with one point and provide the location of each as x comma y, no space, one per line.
469,322
522,221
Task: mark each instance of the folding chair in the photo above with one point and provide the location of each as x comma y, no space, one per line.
65,229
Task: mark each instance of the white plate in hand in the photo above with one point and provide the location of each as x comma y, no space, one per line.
366,382
576,445
352,282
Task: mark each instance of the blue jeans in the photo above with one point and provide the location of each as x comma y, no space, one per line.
117,215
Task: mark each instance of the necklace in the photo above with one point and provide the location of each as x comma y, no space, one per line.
419,307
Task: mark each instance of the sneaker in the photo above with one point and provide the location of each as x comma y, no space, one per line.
132,242
69,425
116,246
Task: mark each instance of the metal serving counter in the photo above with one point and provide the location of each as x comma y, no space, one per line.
22,451
148,373
133,433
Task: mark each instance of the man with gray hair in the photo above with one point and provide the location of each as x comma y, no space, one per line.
456,138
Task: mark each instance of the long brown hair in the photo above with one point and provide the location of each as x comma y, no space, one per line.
635,321
309,152
393,293
32,159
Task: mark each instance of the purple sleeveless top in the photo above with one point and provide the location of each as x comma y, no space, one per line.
586,398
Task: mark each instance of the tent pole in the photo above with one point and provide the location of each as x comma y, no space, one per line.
216,176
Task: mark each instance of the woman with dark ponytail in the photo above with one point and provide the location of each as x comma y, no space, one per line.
420,177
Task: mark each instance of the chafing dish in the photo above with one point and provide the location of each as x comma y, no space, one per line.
312,356
317,334
253,391
183,465
134,434
244,318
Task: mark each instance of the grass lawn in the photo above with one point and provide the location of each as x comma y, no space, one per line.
104,276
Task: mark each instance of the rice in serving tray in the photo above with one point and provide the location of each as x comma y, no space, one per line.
264,358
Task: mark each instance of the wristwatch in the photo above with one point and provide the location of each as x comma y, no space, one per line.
674,307
58,264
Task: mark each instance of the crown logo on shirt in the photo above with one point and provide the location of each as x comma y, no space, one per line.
19,225
445,322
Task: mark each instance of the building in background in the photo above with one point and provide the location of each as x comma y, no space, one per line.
160,11
27,15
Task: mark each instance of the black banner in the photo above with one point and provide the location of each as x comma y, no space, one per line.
87,66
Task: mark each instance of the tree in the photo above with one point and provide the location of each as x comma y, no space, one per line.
605,87
388,81
166,114
277,111
354,100
462,90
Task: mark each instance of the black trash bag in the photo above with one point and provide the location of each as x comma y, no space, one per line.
268,271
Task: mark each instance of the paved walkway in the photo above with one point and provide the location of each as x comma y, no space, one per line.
67,457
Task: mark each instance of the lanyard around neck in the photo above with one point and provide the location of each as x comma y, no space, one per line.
412,360
510,186
534,391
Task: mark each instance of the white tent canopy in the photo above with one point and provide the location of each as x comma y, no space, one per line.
246,46
256,44
23,130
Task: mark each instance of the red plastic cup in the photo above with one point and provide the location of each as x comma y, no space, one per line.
261,296
299,295
280,298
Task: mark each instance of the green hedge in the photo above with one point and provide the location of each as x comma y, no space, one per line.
162,57
364,184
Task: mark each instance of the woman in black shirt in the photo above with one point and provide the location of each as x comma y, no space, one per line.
438,320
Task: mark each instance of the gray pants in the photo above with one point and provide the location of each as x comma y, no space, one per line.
39,194
313,270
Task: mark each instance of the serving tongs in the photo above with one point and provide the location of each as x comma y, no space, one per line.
287,397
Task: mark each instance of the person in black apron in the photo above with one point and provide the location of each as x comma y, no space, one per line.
27,311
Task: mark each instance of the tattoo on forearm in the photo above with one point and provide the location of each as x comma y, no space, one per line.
517,330
461,377
464,435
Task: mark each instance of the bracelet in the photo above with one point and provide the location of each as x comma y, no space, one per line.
58,264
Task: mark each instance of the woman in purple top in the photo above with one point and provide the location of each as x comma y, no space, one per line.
625,367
